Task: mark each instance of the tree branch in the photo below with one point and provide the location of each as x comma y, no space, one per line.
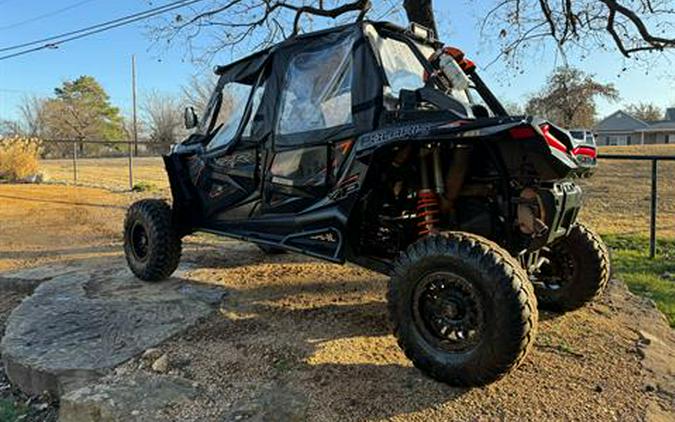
421,12
654,42
359,5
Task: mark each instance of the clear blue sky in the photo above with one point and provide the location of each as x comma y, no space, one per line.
106,56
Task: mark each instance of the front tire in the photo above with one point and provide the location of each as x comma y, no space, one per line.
576,272
151,245
463,310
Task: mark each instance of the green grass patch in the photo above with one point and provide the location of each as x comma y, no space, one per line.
144,187
652,278
10,412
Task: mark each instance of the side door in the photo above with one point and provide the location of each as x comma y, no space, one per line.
314,120
228,172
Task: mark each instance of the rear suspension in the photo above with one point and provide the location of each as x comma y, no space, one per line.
428,212
428,203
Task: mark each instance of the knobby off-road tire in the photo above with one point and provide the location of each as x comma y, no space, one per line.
486,275
577,272
151,244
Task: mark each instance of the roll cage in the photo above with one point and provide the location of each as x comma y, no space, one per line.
369,82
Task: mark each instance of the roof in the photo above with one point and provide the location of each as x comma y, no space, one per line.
620,121
219,70
662,126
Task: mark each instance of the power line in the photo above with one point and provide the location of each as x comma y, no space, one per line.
143,15
94,29
45,15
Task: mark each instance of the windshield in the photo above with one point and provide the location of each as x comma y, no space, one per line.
230,108
577,135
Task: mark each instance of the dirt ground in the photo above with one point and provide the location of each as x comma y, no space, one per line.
298,339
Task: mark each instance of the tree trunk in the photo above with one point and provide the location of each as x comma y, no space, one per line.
421,12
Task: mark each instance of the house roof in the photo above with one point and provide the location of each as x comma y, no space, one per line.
662,126
620,121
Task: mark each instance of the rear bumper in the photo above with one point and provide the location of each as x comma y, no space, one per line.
587,158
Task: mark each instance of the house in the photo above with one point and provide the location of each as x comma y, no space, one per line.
620,128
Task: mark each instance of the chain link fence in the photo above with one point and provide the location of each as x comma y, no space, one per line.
110,164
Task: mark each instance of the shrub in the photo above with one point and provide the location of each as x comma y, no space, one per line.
143,187
19,158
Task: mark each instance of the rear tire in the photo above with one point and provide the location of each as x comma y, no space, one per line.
463,310
577,272
151,245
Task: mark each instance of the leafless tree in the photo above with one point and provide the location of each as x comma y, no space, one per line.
568,99
163,117
422,12
581,27
31,121
630,27
513,108
647,112
259,23
9,128
197,92
32,113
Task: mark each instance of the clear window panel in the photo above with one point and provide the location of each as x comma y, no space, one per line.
232,107
403,68
255,105
301,167
317,90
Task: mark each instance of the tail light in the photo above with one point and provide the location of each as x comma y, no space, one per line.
522,132
527,132
551,140
589,152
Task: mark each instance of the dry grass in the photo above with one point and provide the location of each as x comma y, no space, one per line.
618,195
108,173
18,158
617,200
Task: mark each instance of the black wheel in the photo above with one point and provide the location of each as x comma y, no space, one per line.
463,310
270,250
151,245
575,271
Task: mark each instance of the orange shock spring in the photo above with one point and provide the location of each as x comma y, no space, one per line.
428,210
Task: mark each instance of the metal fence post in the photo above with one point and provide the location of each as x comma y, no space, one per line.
654,202
75,161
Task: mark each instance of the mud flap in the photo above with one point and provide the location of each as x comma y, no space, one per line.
187,211
563,203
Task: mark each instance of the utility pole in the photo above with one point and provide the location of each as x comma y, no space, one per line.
133,99
135,123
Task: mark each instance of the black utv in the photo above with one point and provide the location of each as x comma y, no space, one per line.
378,145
